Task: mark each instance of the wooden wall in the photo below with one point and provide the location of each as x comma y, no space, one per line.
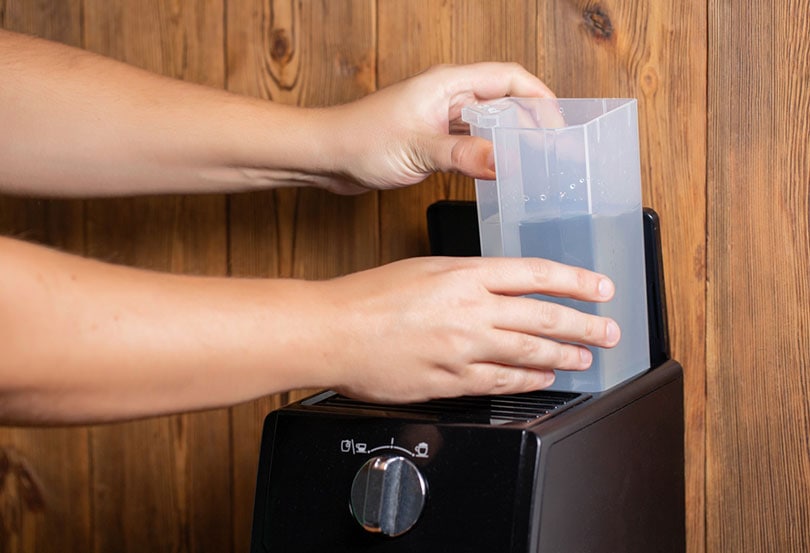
724,109
758,301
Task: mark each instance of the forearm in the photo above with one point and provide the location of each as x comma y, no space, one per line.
73,123
84,341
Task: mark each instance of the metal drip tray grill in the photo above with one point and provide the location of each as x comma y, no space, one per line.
493,410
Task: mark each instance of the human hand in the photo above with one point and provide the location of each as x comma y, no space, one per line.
438,327
403,133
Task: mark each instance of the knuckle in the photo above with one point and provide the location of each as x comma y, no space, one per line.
455,267
590,329
548,315
458,342
575,356
503,377
451,274
542,353
459,152
541,271
513,380
484,380
527,346
583,281
564,356
510,380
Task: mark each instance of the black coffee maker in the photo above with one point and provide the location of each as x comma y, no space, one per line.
543,472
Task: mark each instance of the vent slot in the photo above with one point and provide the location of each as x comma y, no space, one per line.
493,410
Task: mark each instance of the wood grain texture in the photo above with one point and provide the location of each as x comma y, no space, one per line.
442,32
44,474
162,484
737,247
59,21
427,23
758,459
654,52
308,54
44,490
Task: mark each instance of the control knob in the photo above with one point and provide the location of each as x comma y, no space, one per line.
388,494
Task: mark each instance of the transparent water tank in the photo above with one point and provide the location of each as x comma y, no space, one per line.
568,189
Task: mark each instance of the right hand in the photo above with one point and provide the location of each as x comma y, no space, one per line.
434,327
422,131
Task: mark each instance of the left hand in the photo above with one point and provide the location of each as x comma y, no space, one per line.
401,134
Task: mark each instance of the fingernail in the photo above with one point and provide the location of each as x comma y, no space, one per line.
585,356
605,288
491,160
612,332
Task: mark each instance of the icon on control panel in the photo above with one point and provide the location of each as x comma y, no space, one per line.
421,449
360,448
346,446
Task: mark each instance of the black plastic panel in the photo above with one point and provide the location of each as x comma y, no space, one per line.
476,484
618,484
605,475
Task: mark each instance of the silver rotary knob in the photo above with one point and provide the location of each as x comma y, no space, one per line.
388,494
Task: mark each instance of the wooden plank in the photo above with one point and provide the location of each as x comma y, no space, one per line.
446,32
492,31
336,235
44,474
302,53
428,23
44,490
758,461
162,484
654,52
58,21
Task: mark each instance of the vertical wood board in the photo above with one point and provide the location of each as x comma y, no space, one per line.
655,52
442,32
758,461
308,54
161,484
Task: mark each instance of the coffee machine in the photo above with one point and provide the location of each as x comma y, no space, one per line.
541,472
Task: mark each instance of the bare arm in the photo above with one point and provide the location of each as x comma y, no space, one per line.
84,341
78,124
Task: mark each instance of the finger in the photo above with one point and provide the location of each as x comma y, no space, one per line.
469,155
519,349
482,379
521,276
543,318
540,115
494,379
490,80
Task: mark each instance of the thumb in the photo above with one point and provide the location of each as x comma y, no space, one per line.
469,155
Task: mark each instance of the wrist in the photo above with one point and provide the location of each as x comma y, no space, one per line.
260,144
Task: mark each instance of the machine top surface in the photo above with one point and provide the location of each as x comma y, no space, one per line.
489,410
